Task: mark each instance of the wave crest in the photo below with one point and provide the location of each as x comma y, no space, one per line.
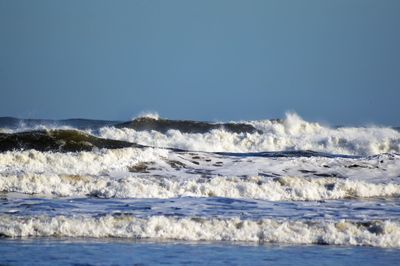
289,134
368,233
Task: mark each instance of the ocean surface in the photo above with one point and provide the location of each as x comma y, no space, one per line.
154,191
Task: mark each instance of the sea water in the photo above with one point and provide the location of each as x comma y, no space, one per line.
59,251
162,191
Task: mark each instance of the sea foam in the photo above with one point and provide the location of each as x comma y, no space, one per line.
343,232
291,133
160,173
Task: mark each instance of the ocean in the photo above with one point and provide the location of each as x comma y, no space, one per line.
159,191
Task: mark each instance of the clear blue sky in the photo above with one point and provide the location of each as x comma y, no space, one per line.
337,61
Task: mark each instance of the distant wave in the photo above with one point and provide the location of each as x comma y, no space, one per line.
289,134
184,126
32,124
57,140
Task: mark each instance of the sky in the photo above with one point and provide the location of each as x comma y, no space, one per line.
332,61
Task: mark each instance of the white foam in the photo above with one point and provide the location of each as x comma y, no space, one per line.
292,134
284,188
377,233
148,114
118,173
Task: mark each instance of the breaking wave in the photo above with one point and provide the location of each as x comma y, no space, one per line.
291,133
283,188
343,232
160,173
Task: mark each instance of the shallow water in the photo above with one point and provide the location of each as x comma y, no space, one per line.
120,252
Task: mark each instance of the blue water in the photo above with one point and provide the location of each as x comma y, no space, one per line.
123,252
247,209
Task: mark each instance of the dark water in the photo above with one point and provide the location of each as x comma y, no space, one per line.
57,140
139,124
184,126
14,123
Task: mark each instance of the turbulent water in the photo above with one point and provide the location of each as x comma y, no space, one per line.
271,181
